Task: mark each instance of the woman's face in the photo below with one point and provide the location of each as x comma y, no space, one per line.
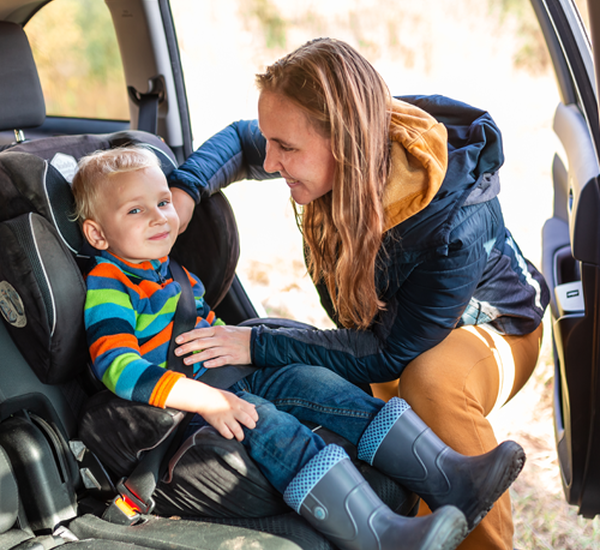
295,149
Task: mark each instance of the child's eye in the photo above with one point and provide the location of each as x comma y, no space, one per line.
134,211
163,203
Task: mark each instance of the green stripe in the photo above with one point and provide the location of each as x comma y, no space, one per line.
104,295
112,373
145,319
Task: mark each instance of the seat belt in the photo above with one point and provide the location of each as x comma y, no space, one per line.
148,103
222,377
135,492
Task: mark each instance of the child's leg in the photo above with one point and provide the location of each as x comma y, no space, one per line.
279,443
316,395
322,485
319,481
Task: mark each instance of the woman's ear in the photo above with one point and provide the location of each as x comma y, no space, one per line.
92,231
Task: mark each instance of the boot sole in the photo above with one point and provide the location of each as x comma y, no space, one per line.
450,530
510,474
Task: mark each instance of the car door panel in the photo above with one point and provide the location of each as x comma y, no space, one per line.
571,256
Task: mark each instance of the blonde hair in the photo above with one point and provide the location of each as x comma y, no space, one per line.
95,169
347,101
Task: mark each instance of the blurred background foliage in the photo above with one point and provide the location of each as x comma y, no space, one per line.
80,66
77,55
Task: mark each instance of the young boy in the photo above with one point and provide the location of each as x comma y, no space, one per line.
126,213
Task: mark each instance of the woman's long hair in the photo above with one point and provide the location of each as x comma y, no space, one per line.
346,101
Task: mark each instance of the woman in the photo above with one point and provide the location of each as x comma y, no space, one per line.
405,243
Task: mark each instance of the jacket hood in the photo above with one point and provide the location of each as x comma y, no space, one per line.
419,159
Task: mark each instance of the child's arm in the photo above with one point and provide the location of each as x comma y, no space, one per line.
223,410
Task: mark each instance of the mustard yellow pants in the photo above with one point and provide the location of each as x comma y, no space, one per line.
453,387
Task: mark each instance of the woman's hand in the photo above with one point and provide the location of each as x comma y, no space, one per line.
216,346
184,206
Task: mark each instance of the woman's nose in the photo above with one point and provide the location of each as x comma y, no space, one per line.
271,163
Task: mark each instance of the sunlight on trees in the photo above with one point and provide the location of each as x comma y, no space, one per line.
78,60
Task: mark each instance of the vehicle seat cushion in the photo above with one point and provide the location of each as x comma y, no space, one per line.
29,184
209,476
21,98
287,532
119,432
214,477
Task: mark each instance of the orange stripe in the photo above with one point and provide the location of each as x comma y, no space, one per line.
156,341
192,280
211,317
111,271
163,388
106,343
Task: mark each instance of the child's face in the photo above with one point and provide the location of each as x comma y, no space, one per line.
135,218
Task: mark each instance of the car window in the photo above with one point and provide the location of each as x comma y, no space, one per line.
77,55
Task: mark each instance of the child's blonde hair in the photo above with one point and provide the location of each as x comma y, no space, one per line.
95,169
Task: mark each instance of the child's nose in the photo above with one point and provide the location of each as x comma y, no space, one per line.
159,216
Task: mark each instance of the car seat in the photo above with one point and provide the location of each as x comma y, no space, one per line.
43,378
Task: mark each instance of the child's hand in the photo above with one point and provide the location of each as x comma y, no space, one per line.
223,410
226,412
216,346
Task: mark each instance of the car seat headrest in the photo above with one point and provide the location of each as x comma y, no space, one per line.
21,98
43,187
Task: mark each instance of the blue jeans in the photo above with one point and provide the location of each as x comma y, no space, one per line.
280,444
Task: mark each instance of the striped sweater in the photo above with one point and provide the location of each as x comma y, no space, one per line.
129,312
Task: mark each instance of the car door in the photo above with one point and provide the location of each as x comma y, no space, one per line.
571,253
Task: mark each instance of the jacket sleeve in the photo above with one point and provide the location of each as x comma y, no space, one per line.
425,306
110,321
233,154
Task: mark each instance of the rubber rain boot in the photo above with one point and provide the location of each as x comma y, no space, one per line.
400,445
335,499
